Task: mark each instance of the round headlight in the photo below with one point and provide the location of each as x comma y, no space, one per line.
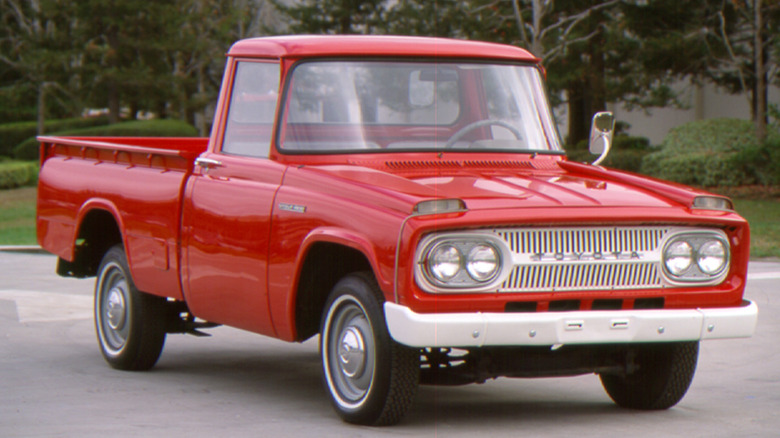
482,263
678,257
444,262
712,257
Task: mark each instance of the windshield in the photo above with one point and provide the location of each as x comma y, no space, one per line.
376,106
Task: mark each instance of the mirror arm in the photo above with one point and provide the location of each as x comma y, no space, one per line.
607,147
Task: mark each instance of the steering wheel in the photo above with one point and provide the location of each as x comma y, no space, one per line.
478,124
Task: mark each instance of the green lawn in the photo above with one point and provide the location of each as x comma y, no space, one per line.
17,220
17,216
764,218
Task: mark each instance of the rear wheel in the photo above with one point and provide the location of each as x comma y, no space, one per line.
658,378
371,378
130,324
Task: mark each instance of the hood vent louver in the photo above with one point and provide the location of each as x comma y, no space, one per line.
417,165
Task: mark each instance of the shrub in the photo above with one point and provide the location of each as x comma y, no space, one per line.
762,162
626,154
11,134
17,174
28,150
706,153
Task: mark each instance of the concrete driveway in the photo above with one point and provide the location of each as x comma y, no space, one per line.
54,382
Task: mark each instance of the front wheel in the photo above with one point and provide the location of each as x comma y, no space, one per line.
130,324
657,379
371,379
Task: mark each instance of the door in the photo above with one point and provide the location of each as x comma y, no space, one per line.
227,209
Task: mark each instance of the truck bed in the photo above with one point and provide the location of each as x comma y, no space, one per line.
137,180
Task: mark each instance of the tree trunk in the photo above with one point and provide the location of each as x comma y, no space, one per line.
578,130
162,109
201,121
134,109
597,89
41,108
760,91
587,96
113,102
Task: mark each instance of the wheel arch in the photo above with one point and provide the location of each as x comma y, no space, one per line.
324,264
98,230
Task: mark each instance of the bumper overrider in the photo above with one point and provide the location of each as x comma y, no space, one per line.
559,328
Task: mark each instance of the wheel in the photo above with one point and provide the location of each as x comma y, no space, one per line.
371,379
130,324
478,124
662,375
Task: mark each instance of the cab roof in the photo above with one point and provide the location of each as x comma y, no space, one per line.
312,46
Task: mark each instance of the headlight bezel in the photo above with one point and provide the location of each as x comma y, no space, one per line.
694,274
463,281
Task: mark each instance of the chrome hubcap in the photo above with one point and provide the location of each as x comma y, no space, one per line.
352,352
112,309
115,309
349,352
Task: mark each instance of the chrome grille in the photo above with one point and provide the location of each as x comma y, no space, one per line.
584,258
605,240
582,277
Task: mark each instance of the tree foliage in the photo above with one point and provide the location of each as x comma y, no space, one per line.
164,57
749,30
595,51
334,16
35,57
585,44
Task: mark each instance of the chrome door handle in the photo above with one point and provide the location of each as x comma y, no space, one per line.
207,163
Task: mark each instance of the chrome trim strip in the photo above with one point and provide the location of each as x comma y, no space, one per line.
398,255
399,241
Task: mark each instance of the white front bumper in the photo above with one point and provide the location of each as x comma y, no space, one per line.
581,327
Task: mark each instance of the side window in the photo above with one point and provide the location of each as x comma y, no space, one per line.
252,109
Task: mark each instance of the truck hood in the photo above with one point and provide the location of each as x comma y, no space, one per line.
543,182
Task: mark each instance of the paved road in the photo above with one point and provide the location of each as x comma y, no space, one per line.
53,382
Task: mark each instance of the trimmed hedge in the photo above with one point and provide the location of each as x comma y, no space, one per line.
15,174
626,154
11,134
761,163
28,150
715,152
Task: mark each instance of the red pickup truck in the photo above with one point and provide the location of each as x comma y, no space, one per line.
409,200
